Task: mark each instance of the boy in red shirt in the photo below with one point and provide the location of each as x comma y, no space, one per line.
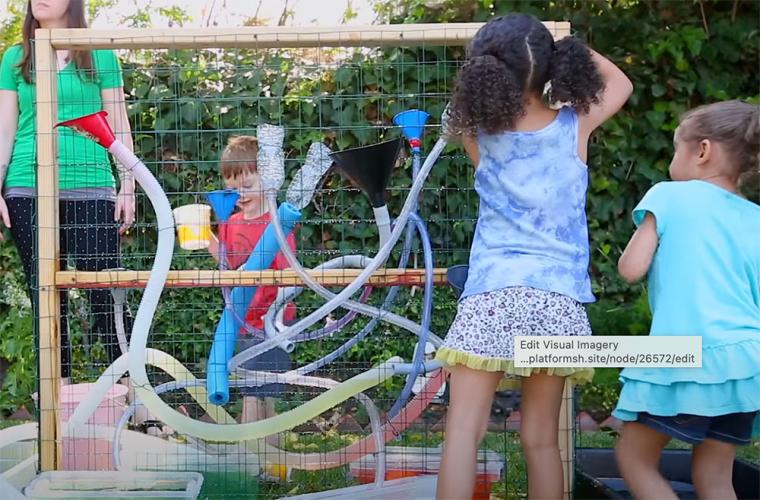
240,235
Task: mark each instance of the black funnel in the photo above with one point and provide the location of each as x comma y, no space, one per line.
369,167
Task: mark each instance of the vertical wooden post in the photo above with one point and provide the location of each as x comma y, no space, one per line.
48,301
566,443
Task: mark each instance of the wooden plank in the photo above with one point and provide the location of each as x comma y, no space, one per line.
48,300
566,439
212,278
266,37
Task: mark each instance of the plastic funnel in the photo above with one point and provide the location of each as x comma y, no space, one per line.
412,123
369,167
457,277
95,127
223,202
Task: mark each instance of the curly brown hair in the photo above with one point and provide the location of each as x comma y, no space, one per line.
514,56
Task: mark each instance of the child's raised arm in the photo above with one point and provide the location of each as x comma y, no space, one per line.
637,257
617,89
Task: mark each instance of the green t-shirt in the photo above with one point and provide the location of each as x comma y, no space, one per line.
81,162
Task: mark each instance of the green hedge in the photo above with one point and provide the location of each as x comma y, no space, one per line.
184,104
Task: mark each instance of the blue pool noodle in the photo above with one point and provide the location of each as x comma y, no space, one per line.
262,256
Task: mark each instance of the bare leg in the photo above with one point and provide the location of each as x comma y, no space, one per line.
255,409
539,435
638,455
712,468
466,420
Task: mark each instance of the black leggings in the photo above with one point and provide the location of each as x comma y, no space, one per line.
89,237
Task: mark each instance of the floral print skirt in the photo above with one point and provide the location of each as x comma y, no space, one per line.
482,334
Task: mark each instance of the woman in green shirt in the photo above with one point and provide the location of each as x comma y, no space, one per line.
90,209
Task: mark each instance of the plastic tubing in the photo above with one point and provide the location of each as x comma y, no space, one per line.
136,362
327,294
119,303
386,305
285,295
359,281
383,221
369,327
427,310
321,460
302,461
228,327
395,319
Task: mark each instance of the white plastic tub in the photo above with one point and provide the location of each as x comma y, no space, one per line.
410,461
407,488
111,484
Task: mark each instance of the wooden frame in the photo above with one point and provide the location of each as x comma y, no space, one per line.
215,278
51,279
265,37
49,335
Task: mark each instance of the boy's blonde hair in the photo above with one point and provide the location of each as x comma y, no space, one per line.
239,157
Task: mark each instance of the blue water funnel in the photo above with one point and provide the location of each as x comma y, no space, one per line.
223,202
412,123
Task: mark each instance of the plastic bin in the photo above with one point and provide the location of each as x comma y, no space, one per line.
91,453
407,488
112,484
408,461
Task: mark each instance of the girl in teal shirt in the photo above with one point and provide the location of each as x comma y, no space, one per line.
698,240
90,209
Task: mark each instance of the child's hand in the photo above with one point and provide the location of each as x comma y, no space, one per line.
213,247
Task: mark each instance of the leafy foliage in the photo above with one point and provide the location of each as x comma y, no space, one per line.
184,104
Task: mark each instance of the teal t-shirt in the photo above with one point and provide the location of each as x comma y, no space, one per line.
704,281
82,163
705,275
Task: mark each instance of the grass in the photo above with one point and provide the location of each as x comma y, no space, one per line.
233,485
600,439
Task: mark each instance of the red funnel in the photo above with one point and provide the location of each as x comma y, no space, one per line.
369,167
95,127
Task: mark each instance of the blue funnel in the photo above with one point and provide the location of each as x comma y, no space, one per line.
412,123
223,202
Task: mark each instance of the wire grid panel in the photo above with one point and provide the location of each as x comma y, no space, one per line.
183,106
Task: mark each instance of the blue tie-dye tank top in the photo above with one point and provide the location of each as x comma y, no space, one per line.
531,229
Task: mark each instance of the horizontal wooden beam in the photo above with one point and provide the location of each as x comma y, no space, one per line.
265,37
211,278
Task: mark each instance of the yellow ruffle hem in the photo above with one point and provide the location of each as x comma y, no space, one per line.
512,373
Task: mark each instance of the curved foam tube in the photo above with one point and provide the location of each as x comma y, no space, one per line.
227,329
335,395
361,279
321,460
302,461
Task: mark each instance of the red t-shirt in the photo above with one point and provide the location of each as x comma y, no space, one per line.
240,237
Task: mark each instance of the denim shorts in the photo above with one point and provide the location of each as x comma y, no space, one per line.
732,428
274,360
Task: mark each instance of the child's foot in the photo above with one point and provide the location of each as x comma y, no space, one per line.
302,187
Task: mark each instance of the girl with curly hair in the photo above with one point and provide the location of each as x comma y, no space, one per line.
529,259
698,240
